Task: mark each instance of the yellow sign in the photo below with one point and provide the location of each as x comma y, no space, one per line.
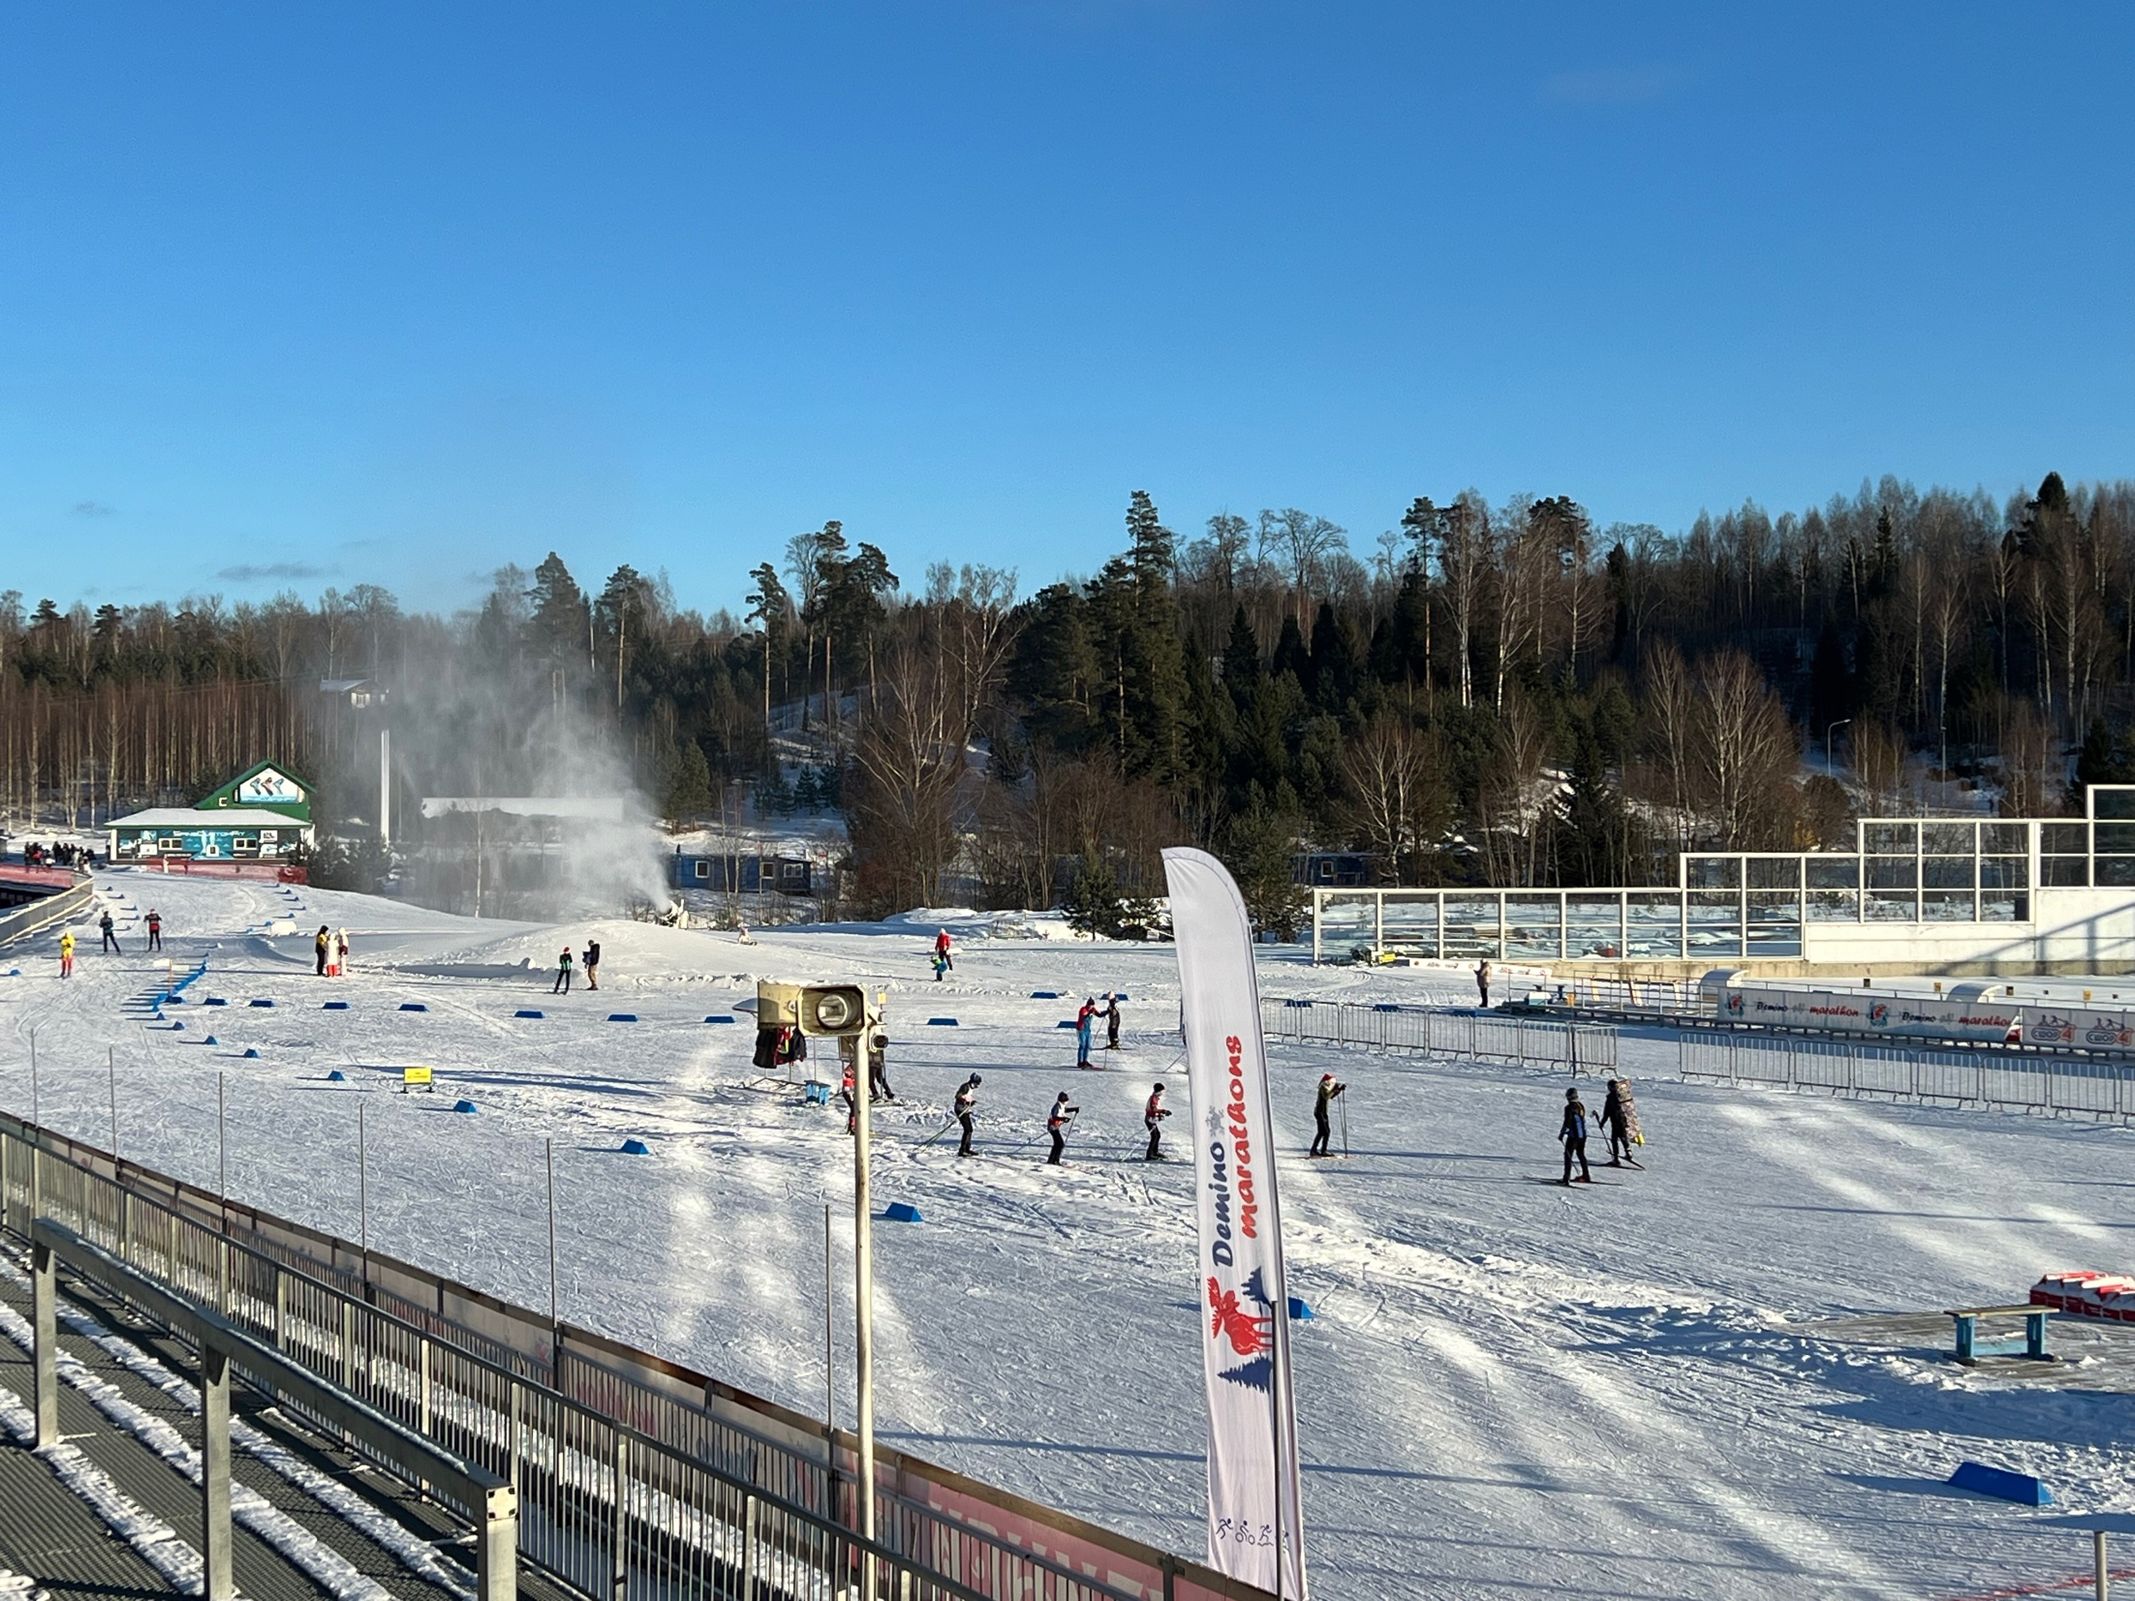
414,1078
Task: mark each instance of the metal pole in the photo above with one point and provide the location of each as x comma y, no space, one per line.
548,1149
215,1472
2098,1556
863,1321
44,1310
111,1066
222,1145
830,1306
33,1075
363,1194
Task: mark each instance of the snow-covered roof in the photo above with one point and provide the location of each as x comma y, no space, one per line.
610,807
211,817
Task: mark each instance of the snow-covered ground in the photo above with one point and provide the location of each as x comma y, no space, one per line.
1695,1381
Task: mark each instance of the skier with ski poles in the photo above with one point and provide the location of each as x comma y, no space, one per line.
878,1067
1153,1116
1056,1124
967,1096
1573,1133
846,1093
1329,1089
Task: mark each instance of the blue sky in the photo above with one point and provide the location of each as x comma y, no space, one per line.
310,295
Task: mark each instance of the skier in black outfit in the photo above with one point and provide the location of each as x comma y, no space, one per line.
1329,1089
155,929
1056,1124
1573,1134
966,1098
1616,1124
1153,1115
111,940
1111,1022
878,1067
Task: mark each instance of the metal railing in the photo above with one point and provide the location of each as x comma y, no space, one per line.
33,916
2055,1086
1531,1042
479,1499
606,1506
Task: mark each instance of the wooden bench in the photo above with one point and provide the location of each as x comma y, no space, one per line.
2032,1343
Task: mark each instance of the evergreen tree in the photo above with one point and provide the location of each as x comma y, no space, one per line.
1261,853
687,793
1092,904
557,628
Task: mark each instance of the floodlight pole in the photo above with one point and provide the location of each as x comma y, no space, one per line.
849,1048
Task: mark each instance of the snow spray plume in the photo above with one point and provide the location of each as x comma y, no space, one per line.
530,809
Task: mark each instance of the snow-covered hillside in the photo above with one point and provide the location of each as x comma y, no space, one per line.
1710,1379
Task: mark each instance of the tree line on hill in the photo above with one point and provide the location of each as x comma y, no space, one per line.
1488,693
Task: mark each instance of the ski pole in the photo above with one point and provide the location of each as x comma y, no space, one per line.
1345,1130
937,1134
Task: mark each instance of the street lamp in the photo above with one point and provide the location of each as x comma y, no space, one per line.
1841,723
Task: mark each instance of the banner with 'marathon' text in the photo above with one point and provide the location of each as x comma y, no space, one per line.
1255,1527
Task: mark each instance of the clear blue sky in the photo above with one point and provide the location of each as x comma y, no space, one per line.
397,293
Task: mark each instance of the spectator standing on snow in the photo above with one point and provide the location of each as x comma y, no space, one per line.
967,1099
1482,982
1329,1089
942,957
562,986
66,953
592,964
850,1096
155,929
941,966
319,943
1153,1115
1111,1022
341,953
1056,1124
1573,1134
111,939
878,1067
1085,1020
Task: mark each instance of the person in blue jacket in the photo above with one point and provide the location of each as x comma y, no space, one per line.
1573,1134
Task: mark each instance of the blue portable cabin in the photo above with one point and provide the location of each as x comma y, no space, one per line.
738,873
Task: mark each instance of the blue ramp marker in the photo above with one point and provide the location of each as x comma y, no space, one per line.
413,1006
251,1053
1300,1309
622,1017
1045,995
636,1148
259,1000
177,1026
942,1022
1065,1022
211,1040
529,1011
901,1212
174,998
463,1106
1121,995
720,1017
214,1000
2000,1483
335,1006
337,1077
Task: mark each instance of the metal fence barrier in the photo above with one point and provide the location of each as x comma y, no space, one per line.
1531,1042
605,1507
33,916
2054,1086
477,1498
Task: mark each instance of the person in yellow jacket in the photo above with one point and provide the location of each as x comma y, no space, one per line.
66,954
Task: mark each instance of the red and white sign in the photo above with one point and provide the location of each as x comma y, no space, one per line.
1255,1517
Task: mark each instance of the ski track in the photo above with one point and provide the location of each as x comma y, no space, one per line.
1506,1389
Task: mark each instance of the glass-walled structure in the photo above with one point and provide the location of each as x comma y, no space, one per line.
1909,873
